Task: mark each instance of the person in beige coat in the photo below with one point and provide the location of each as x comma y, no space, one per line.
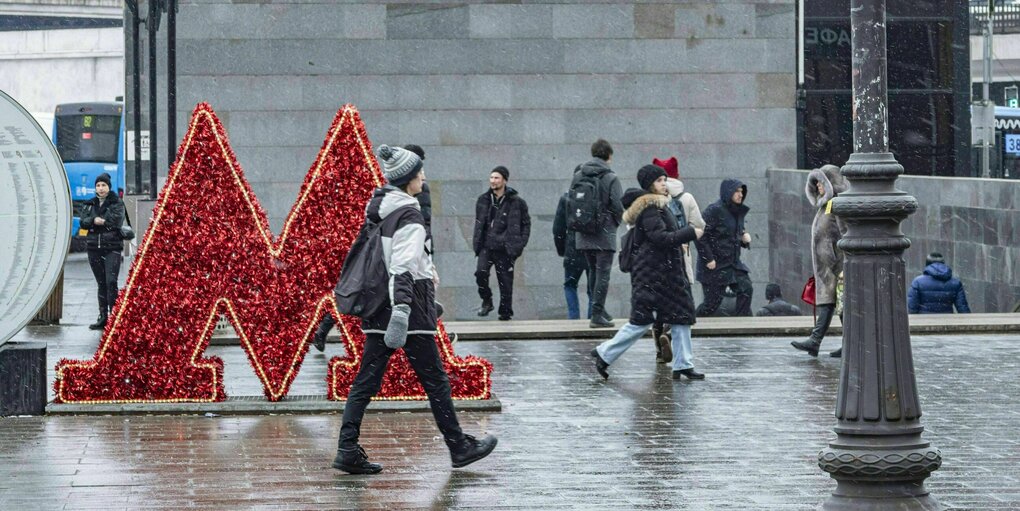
685,208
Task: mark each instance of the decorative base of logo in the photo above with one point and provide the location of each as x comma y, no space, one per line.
209,251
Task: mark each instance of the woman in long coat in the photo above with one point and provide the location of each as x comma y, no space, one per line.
660,288
822,186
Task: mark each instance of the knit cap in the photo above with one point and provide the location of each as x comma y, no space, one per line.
648,174
400,166
104,178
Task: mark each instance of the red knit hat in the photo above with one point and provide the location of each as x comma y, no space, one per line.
670,165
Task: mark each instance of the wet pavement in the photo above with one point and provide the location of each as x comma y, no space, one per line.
744,439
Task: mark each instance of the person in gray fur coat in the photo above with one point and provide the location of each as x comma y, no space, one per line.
822,186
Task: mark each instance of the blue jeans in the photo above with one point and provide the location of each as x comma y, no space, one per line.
571,278
683,358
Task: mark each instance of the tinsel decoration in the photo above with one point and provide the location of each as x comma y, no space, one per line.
209,251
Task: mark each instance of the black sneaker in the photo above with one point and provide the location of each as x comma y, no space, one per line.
601,320
485,309
810,346
472,450
99,324
504,317
836,354
355,462
691,374
600,365
319,340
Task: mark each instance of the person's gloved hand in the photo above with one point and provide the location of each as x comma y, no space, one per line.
396,331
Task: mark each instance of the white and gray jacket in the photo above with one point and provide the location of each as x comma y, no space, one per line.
407,250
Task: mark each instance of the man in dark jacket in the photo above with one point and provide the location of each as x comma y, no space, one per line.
599,246
719,264
937,291
103,217
408,321
660,288
502,229
574,263
777,306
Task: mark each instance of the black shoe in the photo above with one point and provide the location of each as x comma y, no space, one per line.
319,340
837,354
355,462
810,346
99,324
503,317
472,450
601,320
485,309
600,365
691,374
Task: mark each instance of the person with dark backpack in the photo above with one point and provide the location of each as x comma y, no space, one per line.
660,288
406,320
594,212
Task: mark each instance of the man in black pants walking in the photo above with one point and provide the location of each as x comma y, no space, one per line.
502,229
408,321
595,213
719,264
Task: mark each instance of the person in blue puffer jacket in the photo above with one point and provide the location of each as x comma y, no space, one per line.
937,291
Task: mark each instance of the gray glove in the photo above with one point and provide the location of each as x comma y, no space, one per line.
396,331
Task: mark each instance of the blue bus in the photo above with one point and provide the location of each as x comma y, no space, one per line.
90,140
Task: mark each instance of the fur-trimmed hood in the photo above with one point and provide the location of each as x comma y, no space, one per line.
831,179
636,201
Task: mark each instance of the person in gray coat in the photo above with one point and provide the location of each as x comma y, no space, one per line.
599,245
822,186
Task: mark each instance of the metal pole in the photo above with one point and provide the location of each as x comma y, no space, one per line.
136,90
878,459
153,25
986,152
171,81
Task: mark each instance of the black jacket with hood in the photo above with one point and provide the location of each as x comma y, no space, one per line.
612,213
508,230
407,250
724,225
106,236
660,288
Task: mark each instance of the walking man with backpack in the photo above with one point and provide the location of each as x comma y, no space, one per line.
594,213
502,229
402,265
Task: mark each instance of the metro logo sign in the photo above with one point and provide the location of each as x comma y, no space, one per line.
209,251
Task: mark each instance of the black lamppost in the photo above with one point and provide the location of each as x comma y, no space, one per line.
879,460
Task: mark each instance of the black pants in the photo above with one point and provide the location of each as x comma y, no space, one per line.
504,277
423,354
601,264
741,286
325,325
105,266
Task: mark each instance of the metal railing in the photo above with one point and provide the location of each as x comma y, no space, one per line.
1006,17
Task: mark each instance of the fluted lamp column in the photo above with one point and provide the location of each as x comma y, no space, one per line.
878,459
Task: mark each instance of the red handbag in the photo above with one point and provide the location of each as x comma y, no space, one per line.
808,295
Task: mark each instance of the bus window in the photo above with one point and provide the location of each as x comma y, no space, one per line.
88,138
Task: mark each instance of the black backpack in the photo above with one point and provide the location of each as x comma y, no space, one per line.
627,247
364,286
584,205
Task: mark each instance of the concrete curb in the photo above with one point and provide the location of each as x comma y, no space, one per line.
258,405
706,327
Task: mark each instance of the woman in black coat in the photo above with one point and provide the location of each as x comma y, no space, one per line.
103,217
660,288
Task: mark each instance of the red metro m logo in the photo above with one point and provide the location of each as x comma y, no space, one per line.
209,251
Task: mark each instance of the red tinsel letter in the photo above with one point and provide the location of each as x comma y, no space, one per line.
209,251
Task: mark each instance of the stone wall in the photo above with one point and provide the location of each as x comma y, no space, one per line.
975,223
480,84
